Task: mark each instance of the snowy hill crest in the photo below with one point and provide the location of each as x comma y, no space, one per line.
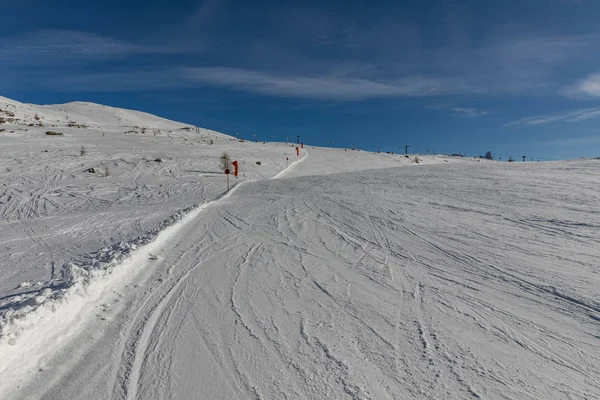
79,114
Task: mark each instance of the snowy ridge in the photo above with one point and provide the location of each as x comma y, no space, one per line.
96,114
82,114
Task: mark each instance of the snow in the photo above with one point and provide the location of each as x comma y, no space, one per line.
350,274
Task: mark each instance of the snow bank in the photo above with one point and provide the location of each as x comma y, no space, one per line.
21,311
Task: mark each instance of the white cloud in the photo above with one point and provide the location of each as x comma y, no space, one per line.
289,86
587,87
318,86
573,116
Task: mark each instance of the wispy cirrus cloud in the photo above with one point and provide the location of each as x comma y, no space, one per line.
386,55
288,86
573,116
340,60
317,86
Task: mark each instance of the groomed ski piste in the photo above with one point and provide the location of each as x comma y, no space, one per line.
128,271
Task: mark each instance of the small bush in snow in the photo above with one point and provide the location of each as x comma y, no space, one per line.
51,133
416,160
225,161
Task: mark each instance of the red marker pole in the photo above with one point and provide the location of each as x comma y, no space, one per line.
227,172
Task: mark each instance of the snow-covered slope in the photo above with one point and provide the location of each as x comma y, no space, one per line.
352,275
89,197
83,113
99,115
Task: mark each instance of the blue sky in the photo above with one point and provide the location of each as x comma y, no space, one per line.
513,77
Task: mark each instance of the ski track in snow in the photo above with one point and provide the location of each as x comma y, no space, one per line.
367,291
468,280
